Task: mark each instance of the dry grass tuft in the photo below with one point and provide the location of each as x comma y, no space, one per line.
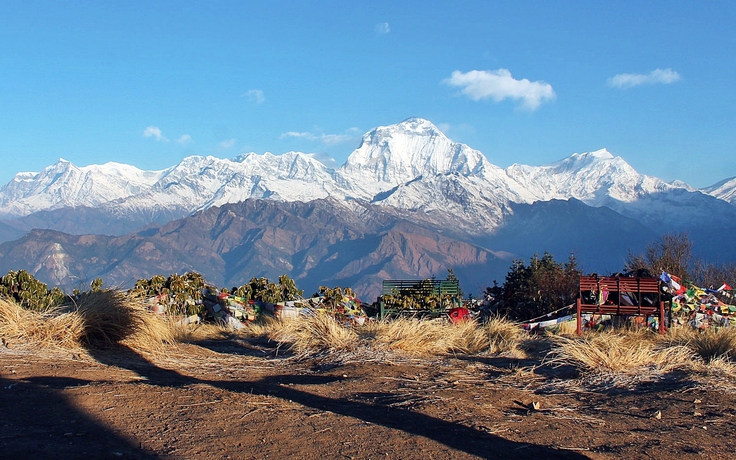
316,333
51,328
497,336
263,326
720,372
188,333
709,344
410,336
99,319
111,317
505,337
716,374
620,353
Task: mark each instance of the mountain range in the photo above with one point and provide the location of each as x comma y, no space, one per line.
407,203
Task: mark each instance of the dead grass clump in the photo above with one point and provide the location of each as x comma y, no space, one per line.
722,371
263,326
111,317
412,336
619,353
316,333
51,328
467,337
418,337
709,344
197,332
497,336
505,337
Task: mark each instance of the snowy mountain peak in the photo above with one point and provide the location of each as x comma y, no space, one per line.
64,184
415,125
399,153
601,154
411,165
724,190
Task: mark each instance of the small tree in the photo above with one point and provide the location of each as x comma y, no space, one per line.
539,288
183,292
713,276
288,288
673,254
452,277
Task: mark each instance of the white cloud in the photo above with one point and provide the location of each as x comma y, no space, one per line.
382,28
499,85
333,139
308,136
227,144
629,80
327,139
185,139
154,132
256,96
325,159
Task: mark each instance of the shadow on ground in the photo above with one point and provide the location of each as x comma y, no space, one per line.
453,435
39,422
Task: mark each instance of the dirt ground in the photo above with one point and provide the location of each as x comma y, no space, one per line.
241,399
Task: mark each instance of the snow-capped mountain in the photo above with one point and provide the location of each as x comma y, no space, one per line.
198,183
594,178
64,184
389,156
724,190
407,202
409,166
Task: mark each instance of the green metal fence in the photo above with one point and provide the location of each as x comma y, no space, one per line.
441,293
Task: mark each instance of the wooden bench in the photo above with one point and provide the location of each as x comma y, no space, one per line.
620,295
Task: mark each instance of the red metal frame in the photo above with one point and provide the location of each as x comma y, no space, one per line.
601,289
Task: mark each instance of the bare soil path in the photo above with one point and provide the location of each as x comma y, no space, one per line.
239,399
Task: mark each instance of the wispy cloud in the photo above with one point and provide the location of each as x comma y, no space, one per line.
305,135
256,96
227,144
154,132
327,139
499,85
185,139
629,80
325,159
382,28
455,129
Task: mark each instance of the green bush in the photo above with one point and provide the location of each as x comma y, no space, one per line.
30,293
181,294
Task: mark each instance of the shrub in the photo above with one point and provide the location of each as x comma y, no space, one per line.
28,292
182,295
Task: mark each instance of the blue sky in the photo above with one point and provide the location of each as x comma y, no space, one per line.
148,83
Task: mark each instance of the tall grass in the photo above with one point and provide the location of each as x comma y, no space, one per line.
406,335
709,344
111,317
410,335
52,328
318,332
98,319
610,352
